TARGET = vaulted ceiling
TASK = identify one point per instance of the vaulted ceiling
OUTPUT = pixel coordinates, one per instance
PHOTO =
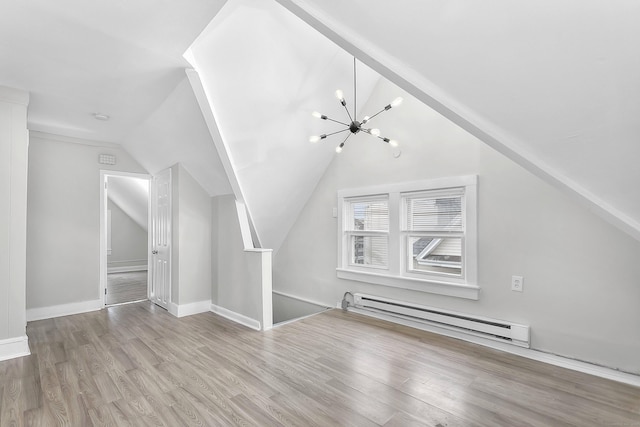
(552, 85)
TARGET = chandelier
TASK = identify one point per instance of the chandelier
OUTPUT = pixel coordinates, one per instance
(354, 126)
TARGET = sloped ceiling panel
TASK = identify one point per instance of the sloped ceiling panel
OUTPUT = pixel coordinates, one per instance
(555, 82)
(132, 196)
(176, 133)
(264, 72)
(77, 58)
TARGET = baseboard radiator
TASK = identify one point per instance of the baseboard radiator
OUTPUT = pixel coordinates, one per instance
(408, 313)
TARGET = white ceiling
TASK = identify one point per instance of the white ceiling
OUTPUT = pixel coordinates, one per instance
(554, 85)
(176, 133)
(265, 71)
(77, 57)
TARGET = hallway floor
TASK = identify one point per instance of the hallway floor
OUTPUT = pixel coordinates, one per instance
(126, 287)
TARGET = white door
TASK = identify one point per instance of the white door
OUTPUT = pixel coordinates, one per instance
(160, 289)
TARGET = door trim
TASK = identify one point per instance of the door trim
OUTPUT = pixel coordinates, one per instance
(104, 175)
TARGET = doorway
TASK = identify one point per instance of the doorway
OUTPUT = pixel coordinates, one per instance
(125, 238)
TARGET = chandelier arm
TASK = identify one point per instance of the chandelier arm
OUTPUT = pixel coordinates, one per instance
(334, 133)
(336, 121)
(344, 104)
(384, 109)
(368, 131)
(391, 142)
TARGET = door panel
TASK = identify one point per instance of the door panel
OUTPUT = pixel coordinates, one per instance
(160, 292)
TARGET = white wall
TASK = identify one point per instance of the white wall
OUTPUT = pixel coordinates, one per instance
(580, 273)
(63, 221)
(191, 268)
(241, 278)
(129, 241)
(14, 142)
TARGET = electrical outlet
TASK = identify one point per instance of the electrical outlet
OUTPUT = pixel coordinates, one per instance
(517, 283)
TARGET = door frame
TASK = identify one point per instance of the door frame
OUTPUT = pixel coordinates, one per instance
(104, 175)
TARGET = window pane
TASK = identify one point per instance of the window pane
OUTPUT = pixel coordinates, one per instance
(435, 255)
(434, 213)
(369, 250)
(372, 215)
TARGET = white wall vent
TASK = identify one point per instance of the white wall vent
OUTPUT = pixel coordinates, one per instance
(107, 159)
(408, 313)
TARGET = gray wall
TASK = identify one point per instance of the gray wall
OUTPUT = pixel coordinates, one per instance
(63, 221)
(285, 308)
(237, 274)
(580, 273)
(14, 142)
(129, 241)
(192, 239)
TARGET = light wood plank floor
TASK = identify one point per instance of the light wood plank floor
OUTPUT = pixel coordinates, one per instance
(138, 365)
(126, 287)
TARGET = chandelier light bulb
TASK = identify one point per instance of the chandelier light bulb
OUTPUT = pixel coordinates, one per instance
(375, 132)
(314, 138)
(338, 149)
(365, 119)
(339, 95)
(393, 143)
(396, 102)
(316, 115)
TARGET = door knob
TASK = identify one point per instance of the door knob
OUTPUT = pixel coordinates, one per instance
(154, 252)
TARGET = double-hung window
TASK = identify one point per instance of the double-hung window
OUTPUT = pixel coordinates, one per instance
(418, 235)
(367, 232)
(433, 230)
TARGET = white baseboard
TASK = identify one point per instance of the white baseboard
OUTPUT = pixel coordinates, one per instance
(126, 269)
(552, 359)
(63, 310)
(11, 348)
(183, 310)
(236, 317)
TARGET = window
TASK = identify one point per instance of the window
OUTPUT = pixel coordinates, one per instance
(433, 231)
(367, 232)
(418, 235)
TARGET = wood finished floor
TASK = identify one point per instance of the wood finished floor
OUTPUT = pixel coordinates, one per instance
(126, 287)
(138, 365)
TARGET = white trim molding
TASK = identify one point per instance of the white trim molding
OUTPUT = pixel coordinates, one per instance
(11, 348)
(236, 317)
(40, 313)
(127, 269)
(450, 289)
(182, 310)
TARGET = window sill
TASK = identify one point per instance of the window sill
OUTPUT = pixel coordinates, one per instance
(430, 286)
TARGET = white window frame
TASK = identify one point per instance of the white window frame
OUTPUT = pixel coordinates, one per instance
(397, 274)
(348, 233)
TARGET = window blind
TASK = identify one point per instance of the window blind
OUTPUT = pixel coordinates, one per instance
(369, 215)
(434, 213)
